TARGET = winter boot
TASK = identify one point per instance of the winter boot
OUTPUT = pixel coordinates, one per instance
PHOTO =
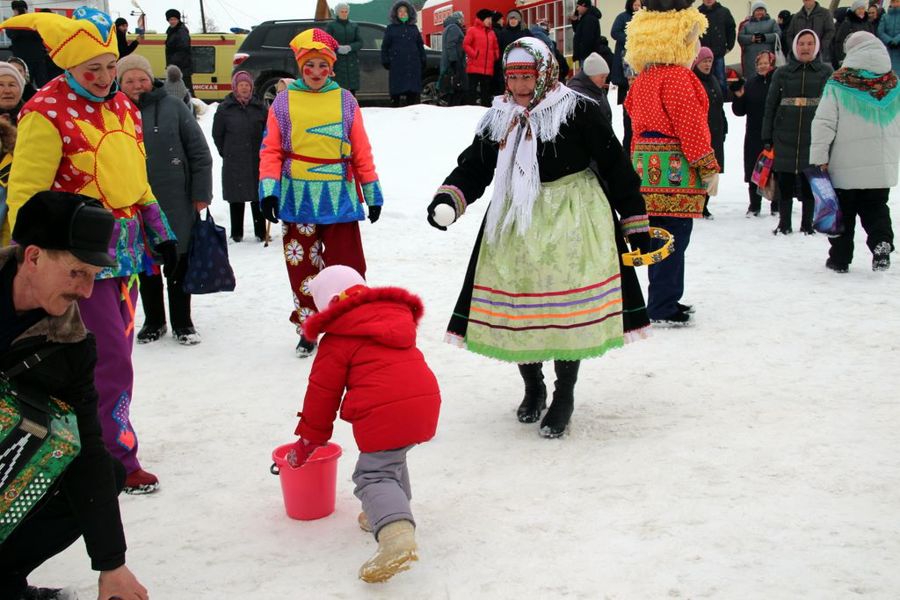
(363, 521)
(151, 333)
(556, 421)
(881, 257)
(186, 336)
(396, 549)
(305, 348)
(535, 400)
(836, 266)
(141, 482)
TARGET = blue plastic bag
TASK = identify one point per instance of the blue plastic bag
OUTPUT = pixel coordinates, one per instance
(208, 269)
(827, 216)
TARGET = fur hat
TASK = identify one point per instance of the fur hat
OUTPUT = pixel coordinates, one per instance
(484, 13)
(594, 65)
(131, 62)
(332, 282)
(70, 42)
(8, 69)
(173, 13)
(314, 43)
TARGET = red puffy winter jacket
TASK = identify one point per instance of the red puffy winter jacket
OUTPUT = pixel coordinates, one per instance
(481, 49)
(369, 349)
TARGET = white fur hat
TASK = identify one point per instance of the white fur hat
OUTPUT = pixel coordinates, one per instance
(330, 282)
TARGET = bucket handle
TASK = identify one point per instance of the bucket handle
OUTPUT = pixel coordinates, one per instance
(274, 470)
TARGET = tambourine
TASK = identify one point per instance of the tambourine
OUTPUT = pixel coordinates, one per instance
(636, 259)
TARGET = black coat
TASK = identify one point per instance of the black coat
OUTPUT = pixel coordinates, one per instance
(125, 48)
(752, 105)
(582, 83)
(720, 35)
(178, 49)
(850, 24)
(715, 118)
(585, 140)
(789, 127)
(29, 46)
(238, 133)
(179, 165)
(508, 35)
(587, 34)
(89, 483)
(403, 53)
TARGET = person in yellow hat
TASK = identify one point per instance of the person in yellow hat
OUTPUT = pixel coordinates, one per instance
(79, 134)
(315, 172)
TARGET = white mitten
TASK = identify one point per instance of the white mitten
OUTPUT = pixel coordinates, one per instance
(712, 184)
(343, 49)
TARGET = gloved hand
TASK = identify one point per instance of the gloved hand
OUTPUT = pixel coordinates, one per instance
(374, 213)
(301, 452)
(767, 144)
(439, 200)
(269, 208)
(641, 242)
(343, 49)
(168, 250)
(712, 184)
(759, 38)
(736, 85)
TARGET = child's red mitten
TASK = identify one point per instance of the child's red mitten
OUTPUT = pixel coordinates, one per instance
(301, 452)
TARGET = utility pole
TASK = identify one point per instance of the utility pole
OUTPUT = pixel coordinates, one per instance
(203, 16)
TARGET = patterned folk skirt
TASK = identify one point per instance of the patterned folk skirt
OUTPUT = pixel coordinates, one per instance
(552, 293)
(670, 186)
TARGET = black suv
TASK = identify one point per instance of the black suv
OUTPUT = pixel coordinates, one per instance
(267, 56)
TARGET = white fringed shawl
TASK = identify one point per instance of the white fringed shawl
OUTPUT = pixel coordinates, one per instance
(517, 180)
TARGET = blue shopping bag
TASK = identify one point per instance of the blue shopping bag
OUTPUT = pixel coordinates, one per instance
(208, 269)
(827, 217)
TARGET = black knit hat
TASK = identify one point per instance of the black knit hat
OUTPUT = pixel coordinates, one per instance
(121, 21)
(173, 13)
(484, 13)
(70, 222)
(19, 5)
(583, 3)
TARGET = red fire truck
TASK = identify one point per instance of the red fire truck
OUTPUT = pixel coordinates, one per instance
(554, 12)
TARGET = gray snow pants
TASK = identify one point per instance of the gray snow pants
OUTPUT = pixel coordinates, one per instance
(382, 485)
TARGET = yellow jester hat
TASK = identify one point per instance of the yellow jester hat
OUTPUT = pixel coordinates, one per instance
(70, 42)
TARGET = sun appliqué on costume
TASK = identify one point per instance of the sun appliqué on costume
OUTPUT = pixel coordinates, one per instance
(304, 287)
(306, 229)
(293, 253)
(315, 255)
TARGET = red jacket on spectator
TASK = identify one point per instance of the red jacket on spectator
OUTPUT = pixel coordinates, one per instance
(482, 49)
(369, 349)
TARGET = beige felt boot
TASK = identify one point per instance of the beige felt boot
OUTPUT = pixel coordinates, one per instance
(396, 549)
(363, 521)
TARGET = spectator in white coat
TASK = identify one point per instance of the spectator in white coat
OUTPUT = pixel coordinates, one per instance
(856, 138)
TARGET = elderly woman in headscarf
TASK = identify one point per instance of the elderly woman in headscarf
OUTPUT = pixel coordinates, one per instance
(79, 134)
(11, 86)
(238, 132)
(545, 281)
(856, 138)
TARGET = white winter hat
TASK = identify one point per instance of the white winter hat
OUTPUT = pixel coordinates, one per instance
(857, 4)
(331, 281)
(8, 69)
(594, 65)
(865, 51)
(758, 4)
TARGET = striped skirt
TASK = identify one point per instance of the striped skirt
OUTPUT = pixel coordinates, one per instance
(554, 293)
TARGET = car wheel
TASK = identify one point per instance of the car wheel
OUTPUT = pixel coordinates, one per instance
(430, 93)
(267, 90)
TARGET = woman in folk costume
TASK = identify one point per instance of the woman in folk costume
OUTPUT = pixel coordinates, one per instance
(671, 148)
(545, 281)
(80, 134)
(315, 172)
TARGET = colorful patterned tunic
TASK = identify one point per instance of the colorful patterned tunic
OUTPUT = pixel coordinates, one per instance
(316, 157)
(67, 143)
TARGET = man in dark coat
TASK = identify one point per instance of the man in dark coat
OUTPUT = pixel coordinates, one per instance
(719, 37)
(29, 46)
(178, 48)
(586, 25)
(818, 19)
(453, 60)
(63, 242)
(346, 32)
(125, 48)
(403, 54)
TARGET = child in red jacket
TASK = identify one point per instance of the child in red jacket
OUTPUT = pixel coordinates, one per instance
(368, 350)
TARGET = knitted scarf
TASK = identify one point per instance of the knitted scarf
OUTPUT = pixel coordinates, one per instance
(517, 180)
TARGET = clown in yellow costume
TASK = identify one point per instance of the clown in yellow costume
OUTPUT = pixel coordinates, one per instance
(79, 134)
(315, 173)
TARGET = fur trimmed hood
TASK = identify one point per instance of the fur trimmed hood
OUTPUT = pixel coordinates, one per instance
(65, 329)
(389, 315)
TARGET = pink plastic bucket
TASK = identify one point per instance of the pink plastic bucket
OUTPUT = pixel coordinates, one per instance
(309, 489)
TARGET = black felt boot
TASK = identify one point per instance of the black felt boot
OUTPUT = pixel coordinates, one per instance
(556, 421)
(535, 400)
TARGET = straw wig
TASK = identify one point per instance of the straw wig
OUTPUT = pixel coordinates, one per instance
(665, 38)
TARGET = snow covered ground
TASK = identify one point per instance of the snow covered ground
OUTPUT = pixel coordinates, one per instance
(754, 455)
